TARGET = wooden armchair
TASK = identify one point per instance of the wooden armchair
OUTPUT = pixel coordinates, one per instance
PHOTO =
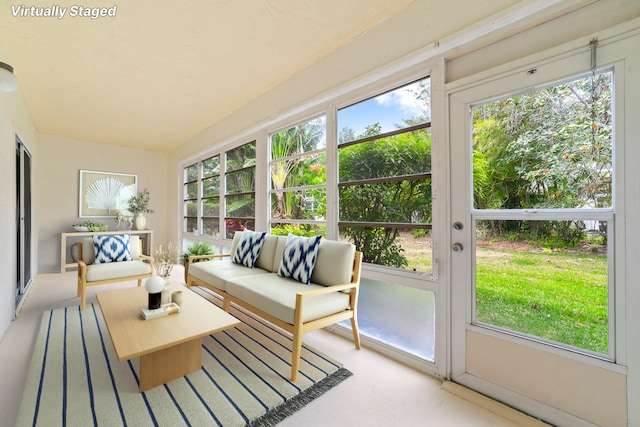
(92, 273)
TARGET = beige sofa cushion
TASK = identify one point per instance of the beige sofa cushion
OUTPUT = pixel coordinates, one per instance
(277, 296)
(265, 259)
(217, 271)
(334, 264)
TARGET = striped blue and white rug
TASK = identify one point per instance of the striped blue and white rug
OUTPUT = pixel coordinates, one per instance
(75, 378)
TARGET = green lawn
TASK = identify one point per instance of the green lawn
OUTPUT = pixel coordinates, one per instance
(559, 297)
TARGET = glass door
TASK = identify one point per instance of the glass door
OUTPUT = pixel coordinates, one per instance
(535, 166)
(23, 220)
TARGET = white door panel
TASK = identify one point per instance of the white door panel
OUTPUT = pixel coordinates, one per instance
(547, 379)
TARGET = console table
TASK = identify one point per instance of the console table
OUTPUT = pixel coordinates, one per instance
(145, 235)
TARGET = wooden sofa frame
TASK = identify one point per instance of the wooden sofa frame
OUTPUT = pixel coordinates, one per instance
(298, 328)
(82, 275)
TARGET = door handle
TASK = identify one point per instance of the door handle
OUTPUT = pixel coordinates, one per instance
(457, 247)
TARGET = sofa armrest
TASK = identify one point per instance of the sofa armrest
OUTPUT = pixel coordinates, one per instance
(328, 290)
(301, 296)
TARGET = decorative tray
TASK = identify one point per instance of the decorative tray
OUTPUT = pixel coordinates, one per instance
(164, 310)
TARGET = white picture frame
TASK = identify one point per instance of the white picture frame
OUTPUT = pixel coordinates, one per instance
(101, 194)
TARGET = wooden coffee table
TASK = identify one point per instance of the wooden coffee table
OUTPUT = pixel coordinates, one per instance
(169, 347)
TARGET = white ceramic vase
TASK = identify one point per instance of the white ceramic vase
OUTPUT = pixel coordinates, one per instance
(140, 221)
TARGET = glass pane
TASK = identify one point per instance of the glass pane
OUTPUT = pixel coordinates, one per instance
(551, 148)
(233, 225)
(307, 204)
(211, 187)
(241, 157)
(404, 154)
(211, 207)
(190, 208)
(392, 247)
(299, 171)
(406, 106)
(191, 173)
(211, 226)
(191, 190)
(190, 224)
(241, 206)
(211, 166)
(242, 181)
(385, 310)
(401, 201)
(309, 136)
(546, 279)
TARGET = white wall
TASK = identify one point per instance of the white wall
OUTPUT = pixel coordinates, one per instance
(14, 119)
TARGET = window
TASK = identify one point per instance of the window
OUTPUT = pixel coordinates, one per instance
(298, 179)
(202, 190)
(203, 187)
(190, 194)
(543, 208)
(385, 209)
(240, 189)
(211, 196)
(384, 161)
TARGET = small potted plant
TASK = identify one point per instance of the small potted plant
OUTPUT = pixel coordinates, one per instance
(139, 205)
(196, 248)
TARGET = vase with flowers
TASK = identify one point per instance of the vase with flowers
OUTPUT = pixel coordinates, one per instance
(165, 258)
(138, 206)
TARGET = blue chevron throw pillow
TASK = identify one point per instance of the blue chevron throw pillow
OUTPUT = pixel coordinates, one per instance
(299, 258)
(112, 248)
(249, 247)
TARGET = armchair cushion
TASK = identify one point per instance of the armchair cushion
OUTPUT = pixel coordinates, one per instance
(112, 248)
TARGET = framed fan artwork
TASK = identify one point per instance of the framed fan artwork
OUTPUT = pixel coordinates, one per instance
(101, 194)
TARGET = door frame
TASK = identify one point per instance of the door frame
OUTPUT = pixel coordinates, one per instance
(553, 65)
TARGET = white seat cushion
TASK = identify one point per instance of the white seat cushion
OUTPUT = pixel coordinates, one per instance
(217, 271)
(115, 270)
(277, 296)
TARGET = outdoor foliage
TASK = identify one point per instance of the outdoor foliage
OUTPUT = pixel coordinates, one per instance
(406, 200)
(240, 188)
(297, 163)
(551, 148)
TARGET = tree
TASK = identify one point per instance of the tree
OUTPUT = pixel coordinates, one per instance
(290, 168)
(551, 148)
(400, 197)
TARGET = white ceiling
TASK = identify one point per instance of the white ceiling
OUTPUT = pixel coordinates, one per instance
(160, 72)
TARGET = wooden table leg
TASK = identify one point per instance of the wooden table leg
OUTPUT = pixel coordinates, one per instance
(170, 363)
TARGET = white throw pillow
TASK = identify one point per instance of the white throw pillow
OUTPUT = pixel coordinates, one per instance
(299, 258)
(249, 247)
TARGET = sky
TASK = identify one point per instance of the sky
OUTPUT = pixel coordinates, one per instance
(388, 109)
